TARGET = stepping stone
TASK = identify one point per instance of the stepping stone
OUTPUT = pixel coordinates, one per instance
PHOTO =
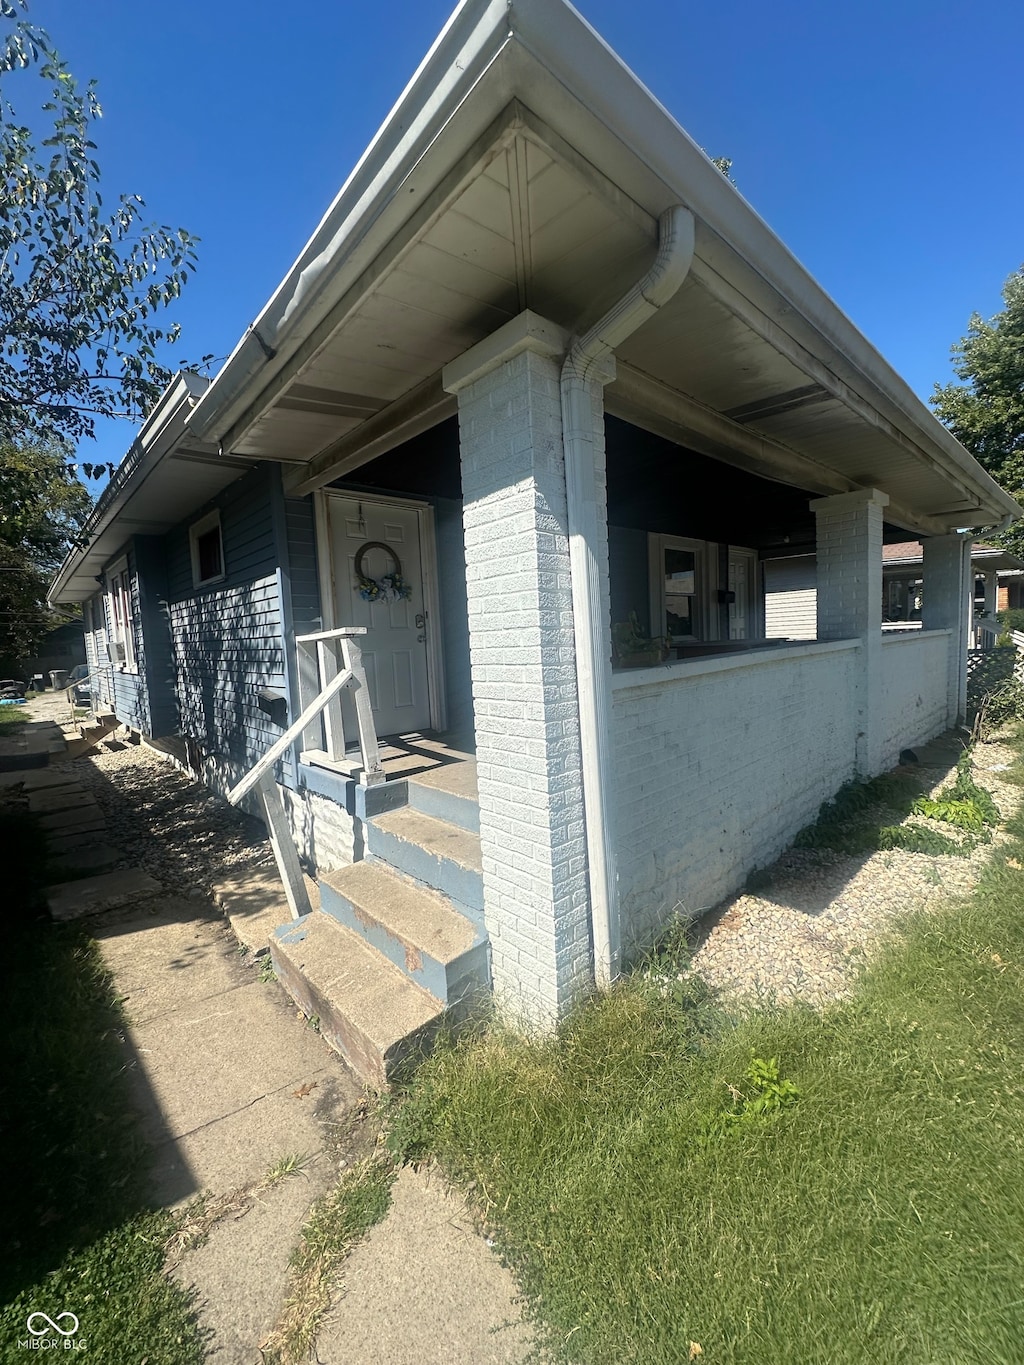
(59, 841)
(58, 798)
(72, 900)
(39, 779)
(84, 813)
(89, 857)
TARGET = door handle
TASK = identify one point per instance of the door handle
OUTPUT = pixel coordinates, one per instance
(421, 620)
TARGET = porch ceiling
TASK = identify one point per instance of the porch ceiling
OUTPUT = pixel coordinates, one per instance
(525, 167)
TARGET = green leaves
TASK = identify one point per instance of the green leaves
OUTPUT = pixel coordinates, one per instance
(986, 413)
(80, 287)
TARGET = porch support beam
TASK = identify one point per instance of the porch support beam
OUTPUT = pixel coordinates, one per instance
(849, 544)
(948, 604)
(656, 407)
(529, 758)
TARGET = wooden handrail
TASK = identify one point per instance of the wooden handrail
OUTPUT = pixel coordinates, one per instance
(255, 773)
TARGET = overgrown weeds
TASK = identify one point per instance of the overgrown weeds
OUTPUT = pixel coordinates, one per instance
(337, 1221)
(867, 817)
(863, 1203)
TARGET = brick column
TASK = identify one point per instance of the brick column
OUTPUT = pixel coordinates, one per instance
(949, 605)
(849, 543)
(523, 665)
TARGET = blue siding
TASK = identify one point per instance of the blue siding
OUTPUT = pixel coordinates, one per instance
(156, 664)
(307, 615)
(227, 639)
(629, 575)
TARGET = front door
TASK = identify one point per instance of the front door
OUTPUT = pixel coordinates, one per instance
(378, 583)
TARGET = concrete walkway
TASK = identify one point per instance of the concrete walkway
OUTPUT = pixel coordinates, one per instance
(231, 1081)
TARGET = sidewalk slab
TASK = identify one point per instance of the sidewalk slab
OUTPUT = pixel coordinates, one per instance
(83, 813)
(254, 902)
(240, 1271)
(71, 900)
(60, 798)
(39, 779)
(214, 1057)
(175, 955)
(425, 1289)
(239, 1148)
(83, 857)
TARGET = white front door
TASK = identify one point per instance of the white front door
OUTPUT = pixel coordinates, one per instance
(382, 540)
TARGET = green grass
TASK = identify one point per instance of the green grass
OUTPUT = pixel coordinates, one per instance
(76, 1233)
(873, 1210)
(336, 1222)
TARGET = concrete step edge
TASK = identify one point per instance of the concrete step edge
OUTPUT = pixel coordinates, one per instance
(368, 1011)
(436, 943)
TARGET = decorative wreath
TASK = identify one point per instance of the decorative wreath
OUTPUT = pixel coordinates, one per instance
(390, 587)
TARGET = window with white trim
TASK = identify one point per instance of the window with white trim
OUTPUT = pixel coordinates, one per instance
(679, 611)
(121, 636)
(207, 548)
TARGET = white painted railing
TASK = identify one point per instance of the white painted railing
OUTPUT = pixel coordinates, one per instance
(340, 665)
(986, 633)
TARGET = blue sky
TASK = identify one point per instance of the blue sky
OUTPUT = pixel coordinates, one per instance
(881, 141)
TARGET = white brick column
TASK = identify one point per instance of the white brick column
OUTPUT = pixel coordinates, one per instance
(949, 605)
(849, 544)
(523, 665)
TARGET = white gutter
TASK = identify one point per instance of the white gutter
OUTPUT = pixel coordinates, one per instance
(587, 362)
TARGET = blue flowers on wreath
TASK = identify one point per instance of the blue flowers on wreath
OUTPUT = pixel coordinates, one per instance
(390, 587)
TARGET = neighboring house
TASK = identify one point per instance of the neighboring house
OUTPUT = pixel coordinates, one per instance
(541, 359)
(790, 586)
(61, 648)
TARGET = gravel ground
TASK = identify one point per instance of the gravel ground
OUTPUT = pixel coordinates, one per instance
(819, 915)
(167, 824)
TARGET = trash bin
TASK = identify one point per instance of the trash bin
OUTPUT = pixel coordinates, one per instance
(38, 682)
(58, 679)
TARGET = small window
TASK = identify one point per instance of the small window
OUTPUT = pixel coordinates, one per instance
(207, 548)
(121, 640)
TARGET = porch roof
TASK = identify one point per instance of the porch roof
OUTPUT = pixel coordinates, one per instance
(165, 475)
(526, 166)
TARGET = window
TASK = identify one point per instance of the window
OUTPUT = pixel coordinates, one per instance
(207, 548)
(121, 640)
(677, 589)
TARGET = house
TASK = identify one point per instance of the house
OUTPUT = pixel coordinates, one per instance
(790, 587)
(60, 649)
(539, 370)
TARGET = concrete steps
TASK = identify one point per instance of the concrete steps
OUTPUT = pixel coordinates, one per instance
(398, 941)
(448, 793)
(367, 1008)
(91, 733)
(416, 928)
(432, 852)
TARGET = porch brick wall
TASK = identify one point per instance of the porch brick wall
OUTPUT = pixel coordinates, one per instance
(524, 684)
(849, 602)
(947, 604)
(915, 702)
(717, 767)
